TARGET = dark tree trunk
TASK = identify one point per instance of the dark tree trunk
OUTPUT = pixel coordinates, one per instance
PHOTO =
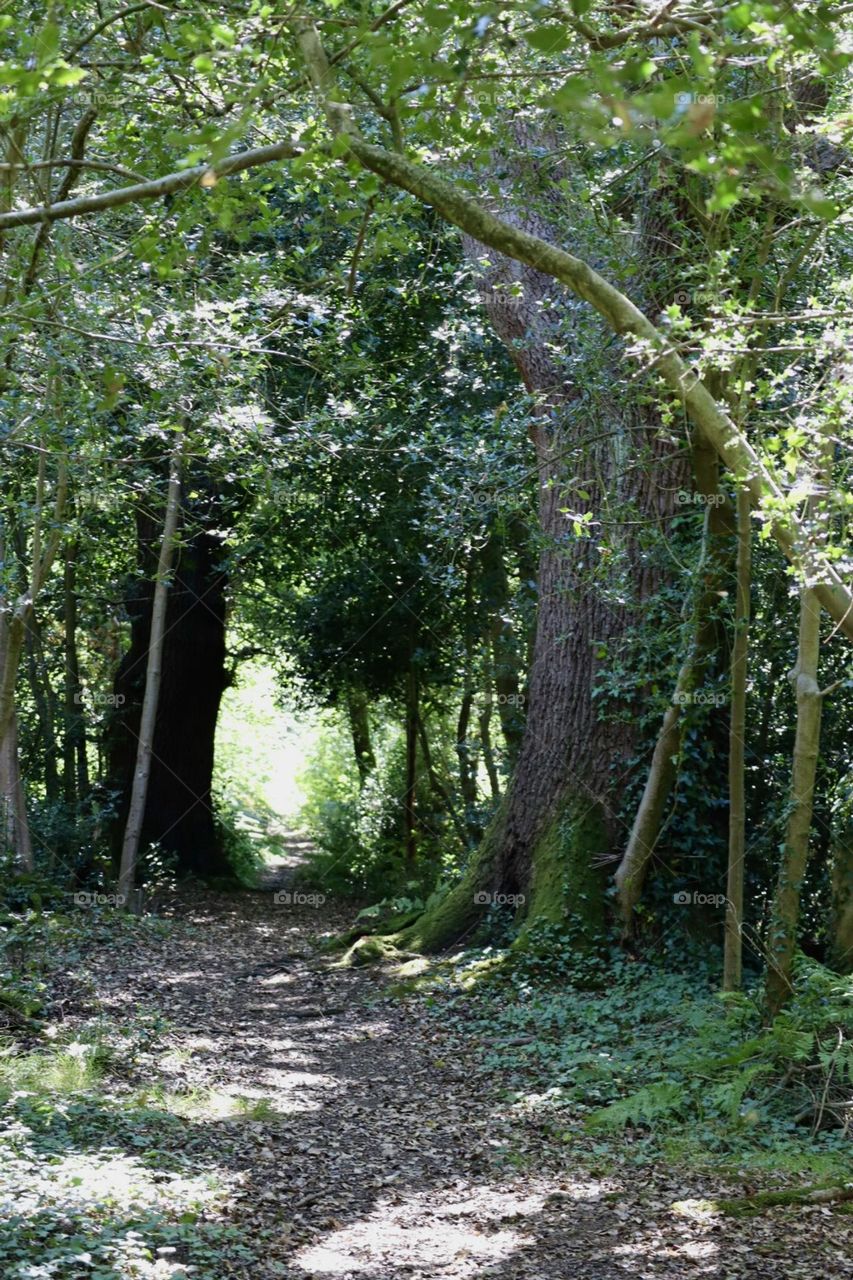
(179, 814)
(359, 723)
(75, 768)
(410, 799)
(465, 752)
(504, 648)
(45, 704)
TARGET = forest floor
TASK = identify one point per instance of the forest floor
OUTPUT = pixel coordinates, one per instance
(250, 1110)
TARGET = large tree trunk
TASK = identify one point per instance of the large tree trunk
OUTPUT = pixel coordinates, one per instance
(559, 821)
(179, 814)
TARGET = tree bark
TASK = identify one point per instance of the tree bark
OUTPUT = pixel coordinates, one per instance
(139, 793)
(75, 767)
(359, 723)
(703, 643)
(505, 662)
(559, 817)
(785, 912)
(733, 947)
(410, 798)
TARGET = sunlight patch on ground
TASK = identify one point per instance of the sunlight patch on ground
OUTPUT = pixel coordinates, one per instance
(106, 1180)
(468, 1232)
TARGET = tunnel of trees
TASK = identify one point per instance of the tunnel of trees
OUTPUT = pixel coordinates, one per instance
(487, 372)
(426, 610)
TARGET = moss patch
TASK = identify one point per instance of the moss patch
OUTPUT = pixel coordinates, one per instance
(568, 887)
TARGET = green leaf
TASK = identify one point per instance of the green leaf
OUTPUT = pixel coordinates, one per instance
(549, 39)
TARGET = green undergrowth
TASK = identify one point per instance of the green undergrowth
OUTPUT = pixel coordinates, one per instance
(38, 942)
(111, 1167)
(621, 1060)
(108, 1171)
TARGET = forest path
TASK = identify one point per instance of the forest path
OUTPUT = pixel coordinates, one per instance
(374, 1139)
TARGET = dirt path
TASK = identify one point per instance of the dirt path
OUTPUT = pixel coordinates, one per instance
(372, 1142)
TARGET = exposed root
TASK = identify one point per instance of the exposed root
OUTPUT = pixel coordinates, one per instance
(765, 1200)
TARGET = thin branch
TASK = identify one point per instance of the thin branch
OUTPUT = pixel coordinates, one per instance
(200, 173)
(100, 165)
(110, 19)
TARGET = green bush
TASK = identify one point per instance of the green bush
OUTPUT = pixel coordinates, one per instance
(359, 831)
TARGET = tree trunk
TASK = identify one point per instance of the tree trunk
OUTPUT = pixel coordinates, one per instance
(437, 786)
(75, 762)
(484, 724)
(179, 815)
(16, 827)
(45, 705)
(14, 622)
(410, 798)
(785, 913)
(359, 723)
(464, 749)
(495, 590)
(840, 950)
(841, 939)
(623, 317)
(467, 773)
(733, 949)
(153, 671)
(704, 642)
(559, 818)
